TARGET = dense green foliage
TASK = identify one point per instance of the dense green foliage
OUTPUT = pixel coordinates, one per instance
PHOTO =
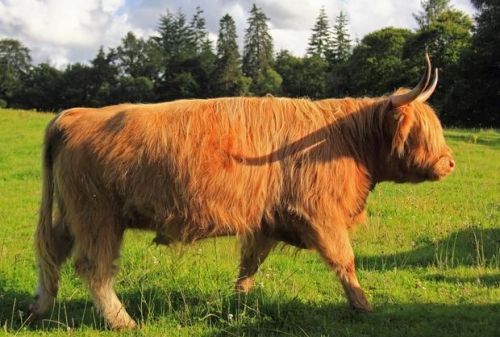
(474, 99)
(302, 76)
(379, 63)
(14, 65)
(179, 62)
(429, 260)
(446, 37)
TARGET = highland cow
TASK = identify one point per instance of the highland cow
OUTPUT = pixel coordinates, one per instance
(264, 169)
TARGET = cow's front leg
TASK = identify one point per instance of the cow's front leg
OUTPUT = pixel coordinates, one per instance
(335, 247)
(254, 249)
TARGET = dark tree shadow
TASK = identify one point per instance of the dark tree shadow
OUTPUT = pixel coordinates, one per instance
(12, 304)
(299, 319)
(469, 247)
(484, 280)
(473, 138)
(63, 315)
(258, 315)
(262, 315)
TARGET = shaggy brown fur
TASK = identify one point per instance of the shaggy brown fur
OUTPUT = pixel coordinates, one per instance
(267, 169)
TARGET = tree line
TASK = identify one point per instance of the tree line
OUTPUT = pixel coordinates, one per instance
(179, 61)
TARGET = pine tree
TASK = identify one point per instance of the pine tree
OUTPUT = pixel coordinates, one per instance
(258, 49)
(103, 77)
(341, 46)
(431, 11)
(199, 32)
(227, 75)
(258, 54)
(187, 56)
(176, 38)
(320, 43)
(137, 57)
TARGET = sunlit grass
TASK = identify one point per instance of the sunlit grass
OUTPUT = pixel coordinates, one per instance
(429, 260)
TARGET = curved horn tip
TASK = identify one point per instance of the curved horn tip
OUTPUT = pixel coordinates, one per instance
(430, 89)
(428, 70)
(418, 90)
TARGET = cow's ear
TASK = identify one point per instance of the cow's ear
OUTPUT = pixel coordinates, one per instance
(404, 121)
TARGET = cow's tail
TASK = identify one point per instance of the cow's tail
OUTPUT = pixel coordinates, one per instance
(46, 241)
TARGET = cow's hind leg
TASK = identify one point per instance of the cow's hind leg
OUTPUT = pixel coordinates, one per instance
(335, 248)
(254, 249)
(53, 245)
(95, 255)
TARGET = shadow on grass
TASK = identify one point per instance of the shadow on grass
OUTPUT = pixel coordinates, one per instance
(471, 247)
(484, 280)
(492, 140)
(299, 319)
(11, 302)
(259, 315)
(64, 315)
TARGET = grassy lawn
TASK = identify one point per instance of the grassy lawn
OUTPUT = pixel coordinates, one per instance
(429, 260)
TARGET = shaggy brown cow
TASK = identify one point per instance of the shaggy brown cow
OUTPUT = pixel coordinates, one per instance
(267, 169)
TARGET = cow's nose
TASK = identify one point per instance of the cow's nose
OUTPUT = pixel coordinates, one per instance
(452, 164)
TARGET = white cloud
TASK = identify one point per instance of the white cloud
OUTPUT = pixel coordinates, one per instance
(59, 31)
(62, 31)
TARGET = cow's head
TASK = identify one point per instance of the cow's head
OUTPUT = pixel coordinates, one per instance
(418, 148)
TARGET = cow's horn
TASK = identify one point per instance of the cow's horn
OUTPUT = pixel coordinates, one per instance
(403, 99)
(430, 89)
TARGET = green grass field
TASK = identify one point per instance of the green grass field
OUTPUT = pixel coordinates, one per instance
(429, 259)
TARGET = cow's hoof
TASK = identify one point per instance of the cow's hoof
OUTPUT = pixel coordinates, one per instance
(29, 316)
(162, 240)
(123, 325)
(358, 301)
(361, 305)
(367, 308)
(244, 285)
(36, 309)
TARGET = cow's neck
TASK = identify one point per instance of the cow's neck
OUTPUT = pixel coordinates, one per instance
(360, 123)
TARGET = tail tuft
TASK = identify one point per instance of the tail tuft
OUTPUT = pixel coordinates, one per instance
(43, 235)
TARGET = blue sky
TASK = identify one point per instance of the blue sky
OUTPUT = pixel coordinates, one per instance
(62, 31)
